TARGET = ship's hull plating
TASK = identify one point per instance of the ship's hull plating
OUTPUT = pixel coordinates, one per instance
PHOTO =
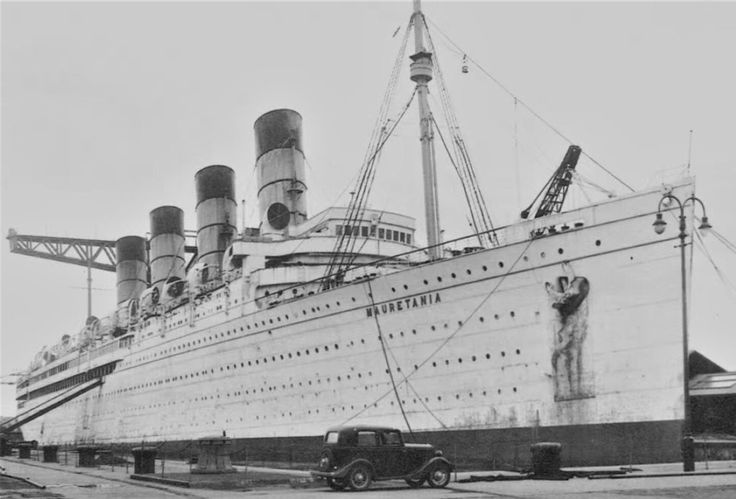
(573, 337)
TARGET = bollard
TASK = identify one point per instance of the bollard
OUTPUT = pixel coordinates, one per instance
(50, 453)
(24, 450)
(86, 456)
(144, 460)
(5, 449)
(546, 458)
(214, 455)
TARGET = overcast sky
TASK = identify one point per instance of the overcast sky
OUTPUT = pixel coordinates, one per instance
(109, 109)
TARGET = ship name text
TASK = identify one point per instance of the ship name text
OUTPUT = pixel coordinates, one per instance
(405, 304)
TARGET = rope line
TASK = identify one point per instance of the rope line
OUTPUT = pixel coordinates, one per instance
(442, 345)
(528, 107)
(385, 357)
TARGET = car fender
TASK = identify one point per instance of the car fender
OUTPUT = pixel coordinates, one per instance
(343, 472)
(426, 466)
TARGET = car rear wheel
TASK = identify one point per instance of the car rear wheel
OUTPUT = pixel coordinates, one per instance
(359, 477)
(336, 483)
(439, 475)
(414, 482)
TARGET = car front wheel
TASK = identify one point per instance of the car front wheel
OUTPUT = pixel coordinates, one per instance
(439, 475)
(359, 477)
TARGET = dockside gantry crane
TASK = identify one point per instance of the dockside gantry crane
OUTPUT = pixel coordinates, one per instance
(97, 254)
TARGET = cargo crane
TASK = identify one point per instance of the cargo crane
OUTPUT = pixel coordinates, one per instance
(556, 187)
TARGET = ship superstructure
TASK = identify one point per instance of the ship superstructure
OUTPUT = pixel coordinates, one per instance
(565, 328)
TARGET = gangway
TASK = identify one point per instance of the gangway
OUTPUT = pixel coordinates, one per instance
(49, 405)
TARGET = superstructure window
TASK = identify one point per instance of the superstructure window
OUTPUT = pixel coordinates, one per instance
(396, 235)
(364, 231)
(381, 233)
(408, 239)
(338, 230)
(402, 237)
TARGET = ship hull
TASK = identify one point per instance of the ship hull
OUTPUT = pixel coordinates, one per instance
(572, 336)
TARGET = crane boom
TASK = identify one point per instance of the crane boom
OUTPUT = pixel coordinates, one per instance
(91, 253)
(558, 186)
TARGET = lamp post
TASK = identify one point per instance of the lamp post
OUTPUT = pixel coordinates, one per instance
(688, 452)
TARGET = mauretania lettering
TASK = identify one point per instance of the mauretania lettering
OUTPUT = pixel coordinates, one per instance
(405, 304)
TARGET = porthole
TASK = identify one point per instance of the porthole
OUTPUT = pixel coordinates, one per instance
(473, 358)
(597, 242)
(513, 314)
(488, 356)
(485, 269)
(439, 279)
(542, 254)
(393, 290)
(500, 264)
(468, 271)
(453, 275)
(495, 316)
(503, 354)
(426, 282)
(482, 319)
(518, 352)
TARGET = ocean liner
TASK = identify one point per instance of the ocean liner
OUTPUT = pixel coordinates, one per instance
(546, 329)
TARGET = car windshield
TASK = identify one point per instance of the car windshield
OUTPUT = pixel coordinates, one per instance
(331, 437)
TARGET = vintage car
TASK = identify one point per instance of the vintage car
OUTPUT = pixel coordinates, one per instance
(354, 456)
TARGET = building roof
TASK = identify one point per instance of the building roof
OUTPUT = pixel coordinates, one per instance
(723, 383)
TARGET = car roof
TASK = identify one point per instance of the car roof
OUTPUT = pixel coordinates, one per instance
(362, 428)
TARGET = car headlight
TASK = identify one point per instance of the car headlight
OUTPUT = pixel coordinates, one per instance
(324, 463)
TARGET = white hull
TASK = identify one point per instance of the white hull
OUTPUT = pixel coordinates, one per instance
(477, 346)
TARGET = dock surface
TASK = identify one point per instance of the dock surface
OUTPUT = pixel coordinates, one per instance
(652, 482)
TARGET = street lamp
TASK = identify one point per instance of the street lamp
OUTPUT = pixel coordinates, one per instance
(688, 452)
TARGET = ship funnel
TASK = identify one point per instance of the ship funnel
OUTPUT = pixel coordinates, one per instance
(131, 268)
(280, 171)
(167, 245)
(216, 215)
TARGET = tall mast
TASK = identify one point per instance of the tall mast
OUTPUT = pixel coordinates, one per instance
(421, 73)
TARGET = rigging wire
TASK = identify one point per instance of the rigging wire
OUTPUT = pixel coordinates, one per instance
(342, 254)
(346, 242)
(473, 222)
(444, 342)
(726, 282)
(529, 108)
(385, 357)
(478, 209)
